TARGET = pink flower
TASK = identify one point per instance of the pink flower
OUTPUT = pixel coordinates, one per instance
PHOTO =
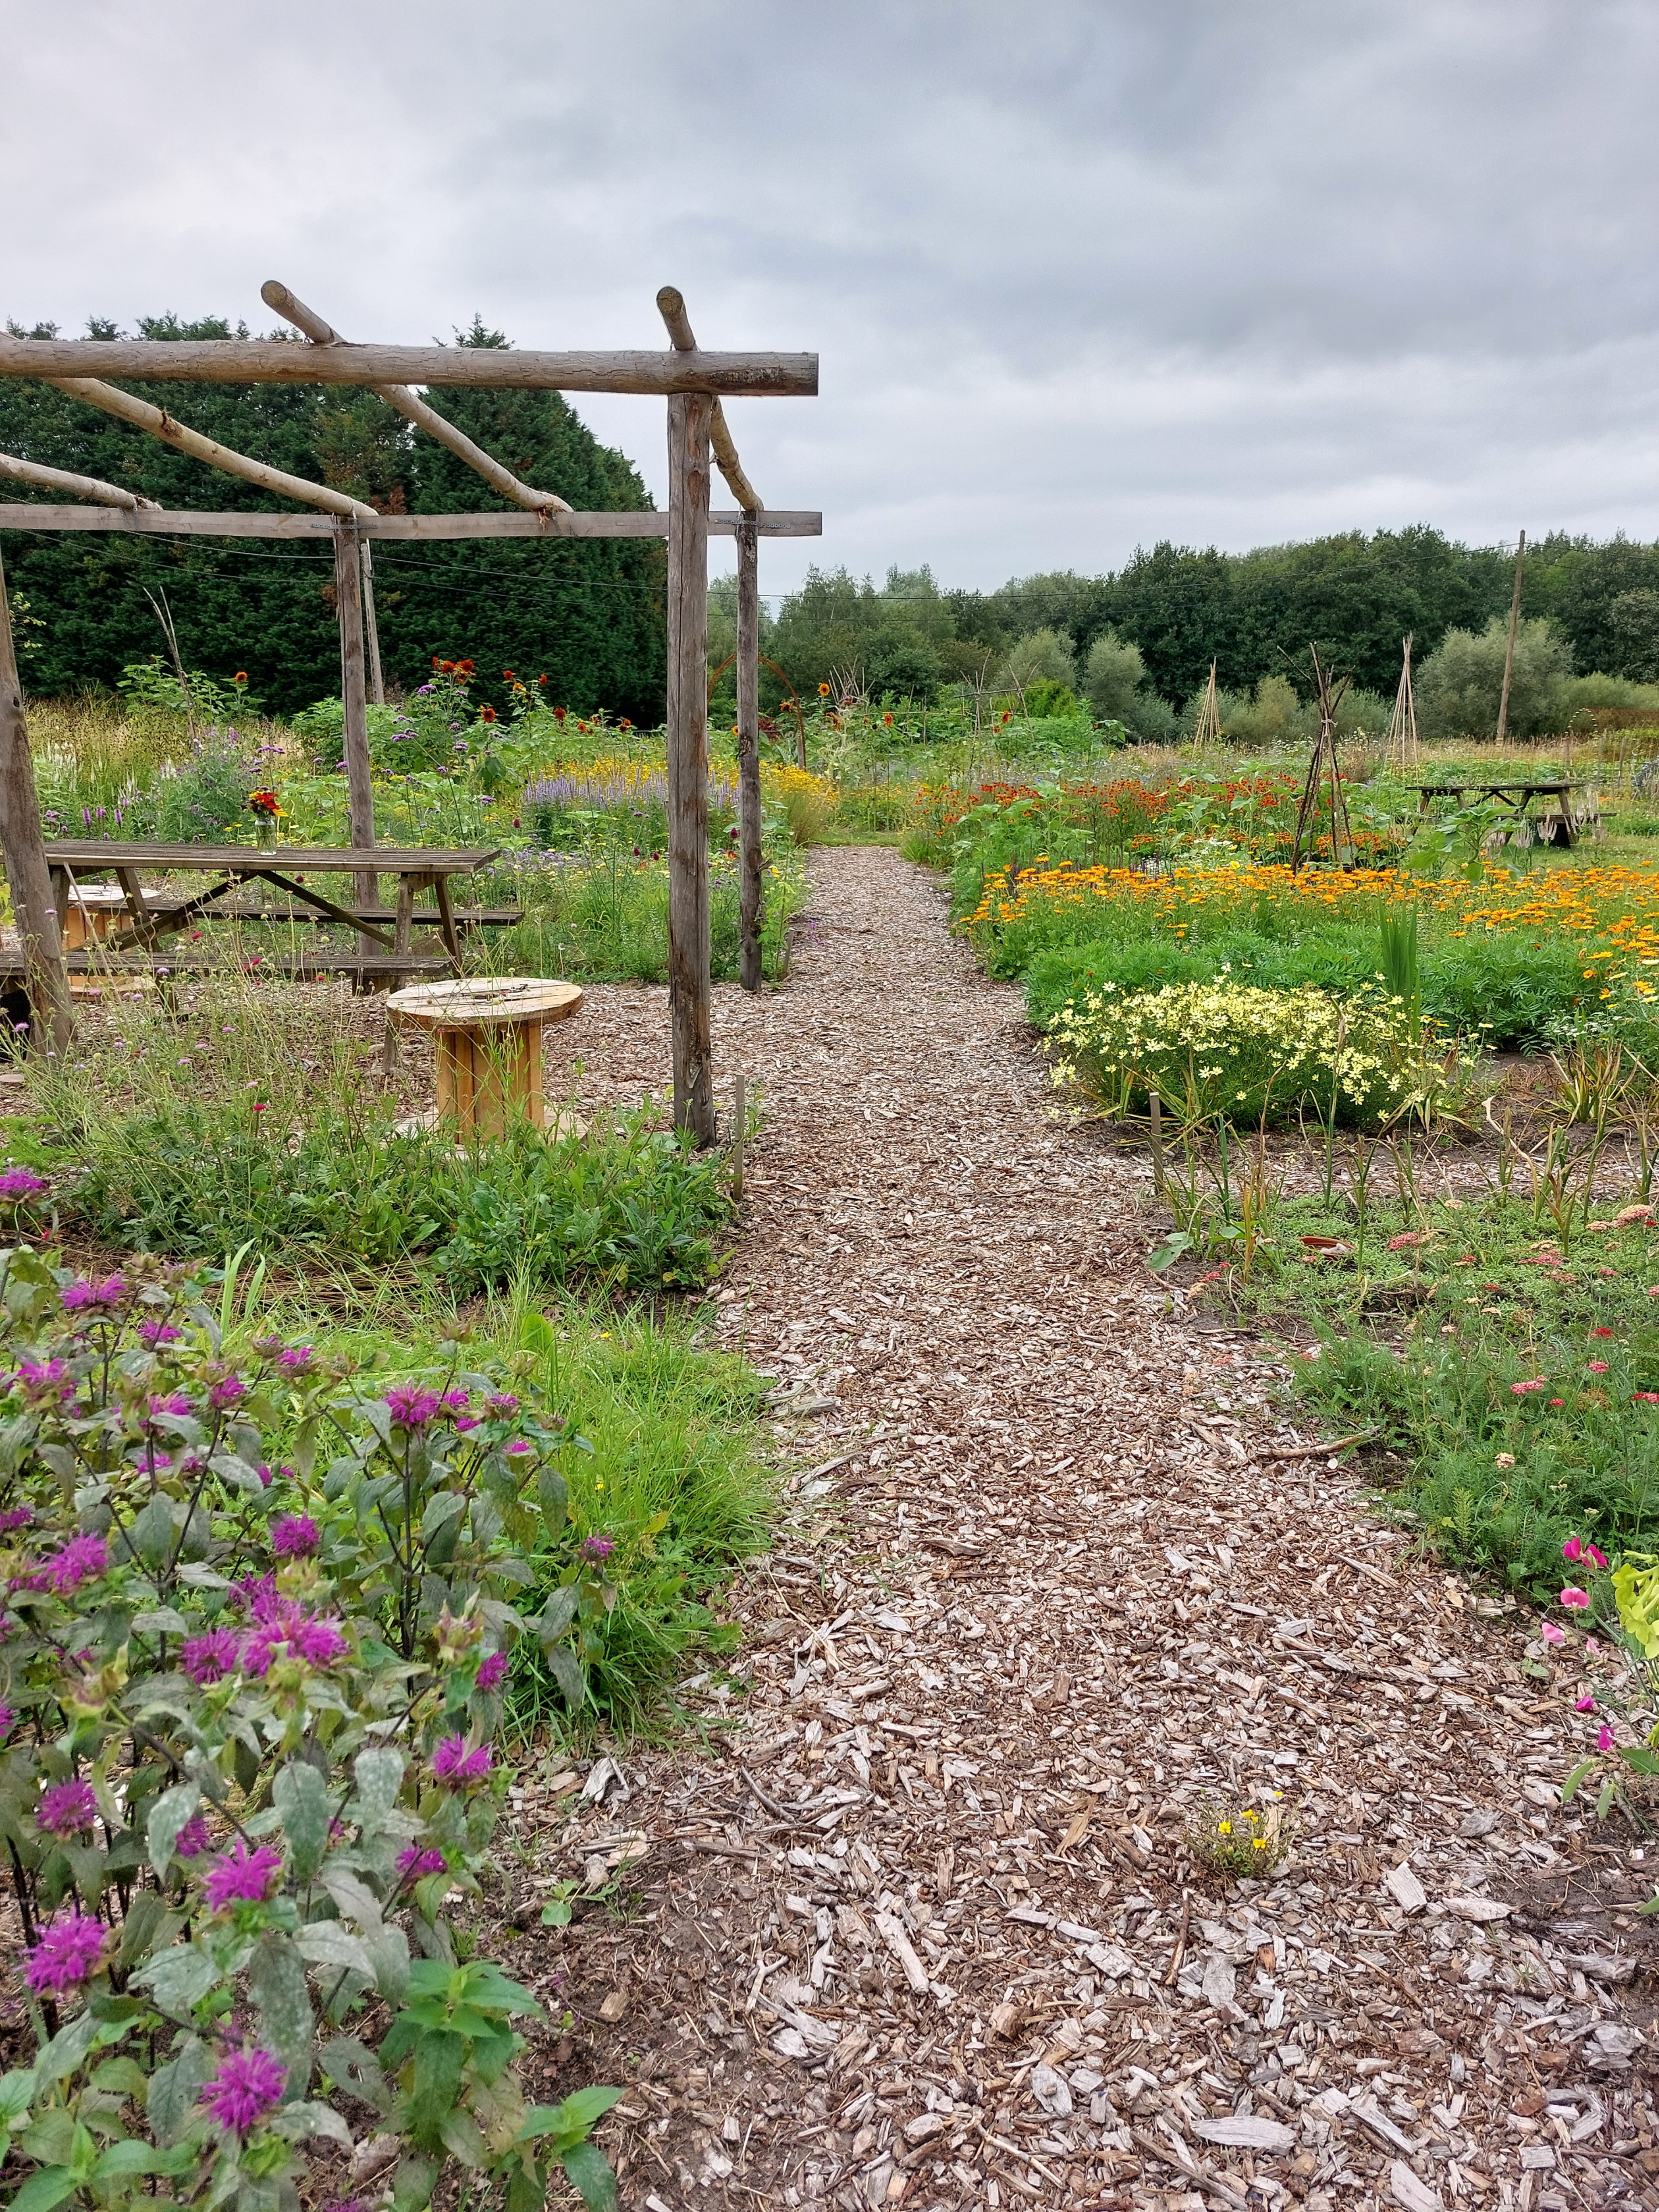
(65, 1809)
(225, 1392)
(1644, 1397)
(192, 1839)
(1596, 1559)
(83, 1559)
(457, 1401)
(295, 1536)
(1604, 1742)
(597, 1547)
(240, 1876)
(453, 1763)
(1573, 1549)
(411, 1407)
(69, 1952)
(1577, 1599)
(502, 1404)
(1585, 1704)
(18, 1183)
(490, 1670)
(1553, 1633)
(413, 1862)
(207, 1659)
(1598, 1367)
(155, 1333)
(43, 1376)
(296, 1357)
(248, 2085)
(1538, 1382)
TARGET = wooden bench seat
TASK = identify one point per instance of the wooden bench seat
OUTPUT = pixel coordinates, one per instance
(294, 967)
(424, 917)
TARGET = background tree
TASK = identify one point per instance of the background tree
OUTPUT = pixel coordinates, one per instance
(1460, 685)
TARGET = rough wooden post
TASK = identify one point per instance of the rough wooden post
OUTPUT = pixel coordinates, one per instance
(749, 791)
(687, 763)
(372, 630)
(359, 788)
(33, 905)
(1508, 650)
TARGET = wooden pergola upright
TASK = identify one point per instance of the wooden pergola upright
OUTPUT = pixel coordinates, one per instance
(692, 381)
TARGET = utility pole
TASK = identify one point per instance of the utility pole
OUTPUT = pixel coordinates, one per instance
(1508, 650)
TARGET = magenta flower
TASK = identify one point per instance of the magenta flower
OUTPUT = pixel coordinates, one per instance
(465, 1423)
(1573, 1549)
(413, 1862)
(411, 1407)
(1596, 1559)
(284, 1623)
(1586, 1704)
(263, 1474)
(41, 1375)
(319, 1643)
(18, 1517)
(1577, 1599)
(155, 1333)
(7, 1716)
(83, 1559)
(176, 1402)
(502, 1404)
(17, 1183)
(1598, 1367)
(69, 1952)
(517, 1448)
(240, 1876)
(64, 1808)
(248, 2085)
(80, 1294)
(192, 1839)
(296, 1357)
(208, 1659)
(457, 1401)
(1604, 1742)
(490, 1670)
(226, 1391)
(597, 1547)
(453, 1763)
(295, 1536)
(1553, 1633)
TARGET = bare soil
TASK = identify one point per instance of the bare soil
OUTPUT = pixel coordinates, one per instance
(907, 1913)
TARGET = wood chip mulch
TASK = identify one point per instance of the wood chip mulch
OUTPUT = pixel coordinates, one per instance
(908, 1917)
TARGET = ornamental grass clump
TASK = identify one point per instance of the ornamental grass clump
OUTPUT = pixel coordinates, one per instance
(1220, 1050)
(248, 1697)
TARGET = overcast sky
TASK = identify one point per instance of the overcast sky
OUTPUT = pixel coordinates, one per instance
(1080, 275)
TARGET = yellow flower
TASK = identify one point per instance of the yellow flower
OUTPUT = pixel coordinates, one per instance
(1260, 1844)
(1226, 1828)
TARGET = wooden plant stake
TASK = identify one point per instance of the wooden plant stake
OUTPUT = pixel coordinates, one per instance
(33, 905)
(1324, 783)
(372, 629)
(1158, 1181)
(1509, 649)
(739, 1130)
(1401, 747)
(1208, 730)
(688, 763)
(359, 788)
(749, 791)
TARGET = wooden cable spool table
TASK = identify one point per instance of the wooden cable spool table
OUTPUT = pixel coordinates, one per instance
(488, 1032)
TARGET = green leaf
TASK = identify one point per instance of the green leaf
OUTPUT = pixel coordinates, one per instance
(167, 1816)
(163, 1621)
(1569, 1787)
(350, 2065)
(300, 1796)
(179, 1979)
(1604, 1802)
(412, 2185)
(44, 2190)
(440, 2057)
(325, 1943)
(133, 2157)
(311, 2119)
(379, 1773)
(584, 2109)
(556, 1615)
(567, 1671)
(66, 2050)
(276, 1983)
(17, 2089)
(464, 2138)
(588, 2171)
(389, 1949)
(175, 2089)
(1640, 1761)
(152, 1531)
(148, 1923)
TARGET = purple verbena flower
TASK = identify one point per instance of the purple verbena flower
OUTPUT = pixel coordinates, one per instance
(597, 1547)
(413, 1862)
(491, 1670)
(17, 1184)
(192, 1839)
(454, 1764)
(67, 1954)
(209, 1658)
(248, 2085)
(295, 1536)
(411, 1407)
(240, 1876)
(64, 1808)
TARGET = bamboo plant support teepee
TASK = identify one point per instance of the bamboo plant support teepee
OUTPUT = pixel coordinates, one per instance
(1322, 795)
(1401, 752)
(1206, 730)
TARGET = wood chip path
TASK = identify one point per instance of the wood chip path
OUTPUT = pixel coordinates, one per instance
(918, 1926)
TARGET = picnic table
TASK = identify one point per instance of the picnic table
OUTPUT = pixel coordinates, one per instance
(151, 916)
(1518, 793)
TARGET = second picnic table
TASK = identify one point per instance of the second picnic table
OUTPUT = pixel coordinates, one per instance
(149, 919)
(1516, 791)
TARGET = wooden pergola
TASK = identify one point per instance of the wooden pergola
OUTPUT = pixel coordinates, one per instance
(692, 381)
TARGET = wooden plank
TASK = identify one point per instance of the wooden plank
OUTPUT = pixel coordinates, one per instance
(144, 416)
(45, 479)
(275, 916)
(166, 963)
(671, 308)
(360, 776)
(102, 854)
(413, 409)
(279, 360)
(28, 872)
(195, 522)
(687, 764)
(372, 627)
(749, 791)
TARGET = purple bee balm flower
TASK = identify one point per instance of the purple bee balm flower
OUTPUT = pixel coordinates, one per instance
(491, 1670)
(246, 2087)
(154, 1332)
(502, 1404)
(295, 1536)
(64, 1808)
(465, 1423)
(176, 1402)
(209, 1658)
(411, 1407)
(37, 1375)
(83, 1559)
(78, 1295)
(295, 1356)
(7, 1716)
(17, 1183)
(453, 1763)
(319, 1643)
(458, 1400)
(413, 1862)
(19, 1517)
(597, 1547)
(192, 1839)
(284, 1623)
(259, 1594)
(226, 1391)
(240, 1876)
(68, 1952)
(519, 1448)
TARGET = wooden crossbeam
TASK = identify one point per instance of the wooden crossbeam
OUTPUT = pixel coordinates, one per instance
(670, 306)
(491, 368)
(386, 529)
(41, 478)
